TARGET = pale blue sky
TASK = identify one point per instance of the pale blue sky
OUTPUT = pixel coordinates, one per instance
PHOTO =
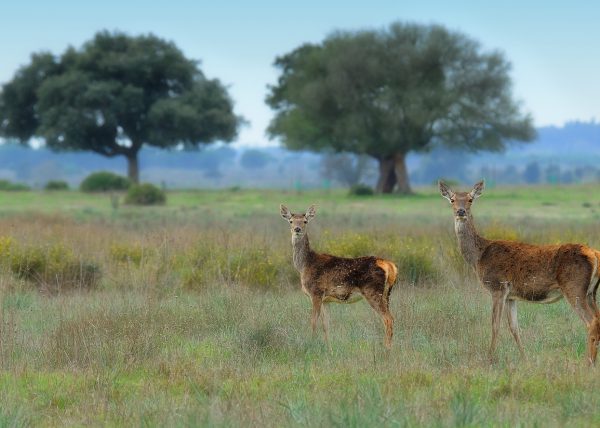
(554, 46)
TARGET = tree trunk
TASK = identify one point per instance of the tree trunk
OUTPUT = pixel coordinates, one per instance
(387, 176)
(401, 174)
(133, 168)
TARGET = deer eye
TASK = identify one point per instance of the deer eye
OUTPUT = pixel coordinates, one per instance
(305, 221)
(470, 200)
(451, 201)
(290, 221)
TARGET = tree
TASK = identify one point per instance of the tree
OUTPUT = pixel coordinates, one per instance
(386, 93)
(115, 95)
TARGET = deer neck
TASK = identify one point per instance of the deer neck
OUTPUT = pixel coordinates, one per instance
(302, 251)
(470, 243)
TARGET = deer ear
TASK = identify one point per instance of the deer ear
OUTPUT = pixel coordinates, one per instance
(285, 212)
(310, 213)
(477, 190)
(445, 191)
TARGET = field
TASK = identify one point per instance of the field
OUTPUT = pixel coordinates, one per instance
(192, 314)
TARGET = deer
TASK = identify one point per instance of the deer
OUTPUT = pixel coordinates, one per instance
(330, 279)
(515, 271)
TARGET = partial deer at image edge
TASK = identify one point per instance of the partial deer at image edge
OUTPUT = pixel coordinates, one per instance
(513, 271)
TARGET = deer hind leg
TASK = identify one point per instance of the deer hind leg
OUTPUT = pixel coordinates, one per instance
(580, 304)
(589, 315)
(379, 302)
(513, 324)
(591, 294)
(498, 300)
(325, 323)
(593, 340)
(594, 327)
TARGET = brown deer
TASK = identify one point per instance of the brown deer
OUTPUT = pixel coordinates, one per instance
(513, 271)
(325, 278)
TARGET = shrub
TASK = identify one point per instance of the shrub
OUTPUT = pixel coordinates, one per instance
(351, 244)
(145, 194)
(13, 187)
(250, 266)
(56, 185)
(253, 267)
(415, 259)
(52, 267)
(499, 231)
(416, 266)
(127, 254)
(104, 181)
(200, 266)
(361, 190)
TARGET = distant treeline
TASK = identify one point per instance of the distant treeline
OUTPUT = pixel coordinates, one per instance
(570, 154)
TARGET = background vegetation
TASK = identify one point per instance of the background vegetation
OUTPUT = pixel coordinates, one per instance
(195, 316)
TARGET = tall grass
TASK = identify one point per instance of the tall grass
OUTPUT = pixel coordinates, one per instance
(199, 321)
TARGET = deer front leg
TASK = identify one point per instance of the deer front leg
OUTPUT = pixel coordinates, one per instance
(325, 322)
(498, 299)
(317, 301)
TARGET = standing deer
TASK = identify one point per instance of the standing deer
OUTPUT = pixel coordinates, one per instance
(513, 271)
(325, 278)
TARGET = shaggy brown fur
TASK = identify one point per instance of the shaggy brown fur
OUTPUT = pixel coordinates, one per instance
(326, 278)
(513, 271)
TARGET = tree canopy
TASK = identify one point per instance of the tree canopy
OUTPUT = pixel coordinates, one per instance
(114, 95)
(386, 93)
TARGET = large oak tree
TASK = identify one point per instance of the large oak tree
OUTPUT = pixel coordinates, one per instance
(114, 95)
(387, 93)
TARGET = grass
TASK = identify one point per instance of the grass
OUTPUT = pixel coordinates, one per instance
(190, 326)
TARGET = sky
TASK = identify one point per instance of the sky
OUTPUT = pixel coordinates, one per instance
(554, 46)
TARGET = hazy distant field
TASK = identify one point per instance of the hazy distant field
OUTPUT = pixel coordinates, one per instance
(198, 318)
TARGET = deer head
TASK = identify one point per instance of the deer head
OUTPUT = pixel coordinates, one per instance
(461, 201)
(297, 222)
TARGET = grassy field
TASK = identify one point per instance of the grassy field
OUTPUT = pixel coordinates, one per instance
(196, 316)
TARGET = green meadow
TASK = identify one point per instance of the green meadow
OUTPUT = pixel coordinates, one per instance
(191, 314)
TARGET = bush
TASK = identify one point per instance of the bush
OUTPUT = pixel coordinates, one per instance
(255, 267)
(502, 232)
(127, 254)
(361, 190)
(104, 181)
(415, 260)
(13, 187)
(51, 267)
(56, 185)
(145, 194)
(350, 244)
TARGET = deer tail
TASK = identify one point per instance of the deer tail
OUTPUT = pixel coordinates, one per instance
(391, 274)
